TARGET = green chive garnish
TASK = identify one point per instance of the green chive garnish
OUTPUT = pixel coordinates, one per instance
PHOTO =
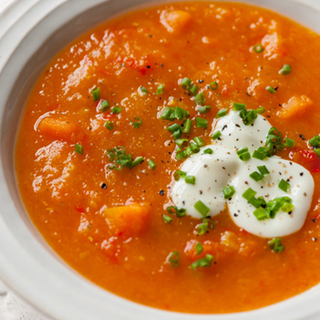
(185, 84)
(221, 113)
(260, 214)
(166, 113)
(182, 142)
(190, 179)
(193, 90)
(258, 48)
(199, 141)
(186, 126)
(284, 185)
(179, 174)
(204, 109)
(216, 135)
(201, 208)
(263, 170)
(201, 123)
(214, 85)
(288, 142)
(315, 141)
(174, 259)
(244, 154)
(202, 262)
(228, 192)
(109, 125)
(152, 165)
(248, 194)
(78, 148)
(166, 218)
(208, 151)
(138, 123)
(116, 110)
(199, 248)
(104, 105)
(96, 94)
(271, 89)
(276, 245)
(256, 176)
(200, 98)
(173, 128)
(160, 89)
(238, 106)
(286, 69)
(144, 91)
(287, 207)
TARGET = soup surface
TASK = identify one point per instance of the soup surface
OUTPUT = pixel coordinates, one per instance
(96, 163)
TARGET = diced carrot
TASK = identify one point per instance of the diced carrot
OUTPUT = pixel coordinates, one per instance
(58, 128)
(128, 220)
(175, 21)
(295, 107)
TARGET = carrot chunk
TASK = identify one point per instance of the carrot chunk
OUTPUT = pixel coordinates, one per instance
(128, 220)
(296, 107)
(177, 20)
(58, 128)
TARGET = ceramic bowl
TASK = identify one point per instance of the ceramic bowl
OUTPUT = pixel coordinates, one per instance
(31, 33)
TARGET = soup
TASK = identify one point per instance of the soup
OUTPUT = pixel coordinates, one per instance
(113, 122)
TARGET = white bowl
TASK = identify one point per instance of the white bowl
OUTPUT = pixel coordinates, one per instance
(31, 33)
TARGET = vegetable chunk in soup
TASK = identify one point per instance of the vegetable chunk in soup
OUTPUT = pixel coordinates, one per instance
(171, 156)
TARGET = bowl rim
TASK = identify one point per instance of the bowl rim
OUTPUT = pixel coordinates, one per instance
(22, 19)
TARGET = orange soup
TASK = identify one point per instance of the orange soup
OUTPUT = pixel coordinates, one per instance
(115, 117)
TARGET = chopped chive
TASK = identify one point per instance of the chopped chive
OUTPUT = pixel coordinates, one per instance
(172, 210)
(193, 90)
(144, 90)
(276, 245)
(177, 134)
(178, 113)
(116, 110)
(174, 259)
(78, 148)
(200, 98)
(259, 154)
(199, 141)
(221, 113)
(181, 213)
(204, 109)
(109, 125)
(260, 214)
(202, 262)
(160, 89)
(201, 208)
(238, 106)
(136, 124)
(166, 113)
(208, 151)
(166, 218)
(201, 123)
(286, 69)
(258, 48)
(216, 135)
(263, 170)
(185, 83)
(180, 155)
(104, 105)
(186, 126)
(199, 248)
(244, 154)
(137, 161)
(287, 207)
(214, 85)
(259, 110)
(317, 152)
(288, 143)
(188, 151)
(96, 94)
(174, 128)
(257, 202)
(315, 141)
(271, 89)
(284, 185)
(248, 194)
(228, 192)
(194, 147)
(190, 179)
(182, 142)
(203, 227)
(179, 174)
(152, 165)
(256, 176)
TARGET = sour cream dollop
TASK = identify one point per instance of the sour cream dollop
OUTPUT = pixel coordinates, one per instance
(214, 172)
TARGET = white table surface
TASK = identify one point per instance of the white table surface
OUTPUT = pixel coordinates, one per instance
(11, 306)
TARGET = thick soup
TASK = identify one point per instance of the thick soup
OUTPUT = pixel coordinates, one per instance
(171, 157)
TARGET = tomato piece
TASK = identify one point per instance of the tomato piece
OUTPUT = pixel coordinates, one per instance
(306, 158)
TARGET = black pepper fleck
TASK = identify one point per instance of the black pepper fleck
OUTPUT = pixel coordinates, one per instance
(161, 192)
(104, 186)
